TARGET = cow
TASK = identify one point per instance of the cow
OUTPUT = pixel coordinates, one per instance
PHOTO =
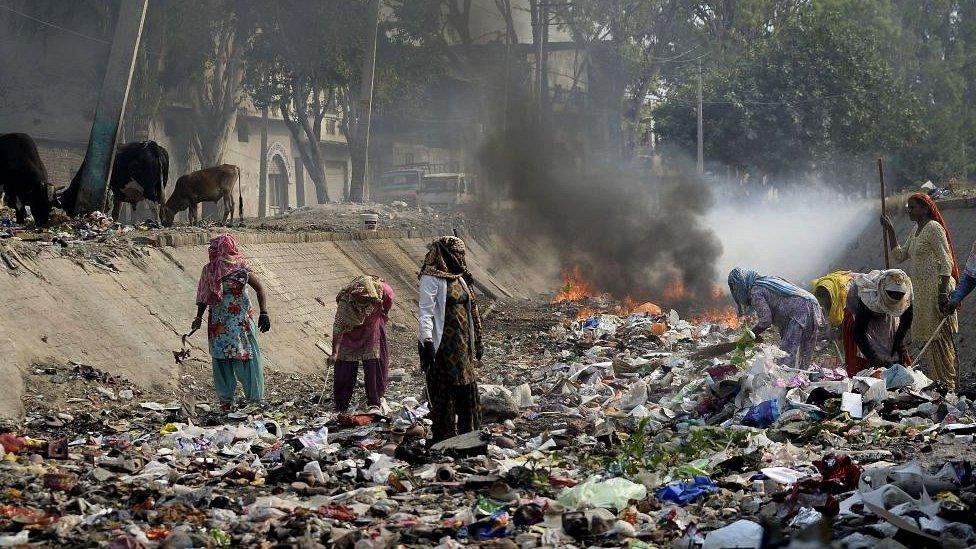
(206, 185)
(140, 172)
(24, 179)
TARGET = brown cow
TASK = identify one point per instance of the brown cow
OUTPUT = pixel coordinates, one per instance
(206, 185)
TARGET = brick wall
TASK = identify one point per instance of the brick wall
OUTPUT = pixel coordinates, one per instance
(61, 160)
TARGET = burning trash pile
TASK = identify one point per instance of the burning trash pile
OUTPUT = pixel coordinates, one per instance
(631, 428)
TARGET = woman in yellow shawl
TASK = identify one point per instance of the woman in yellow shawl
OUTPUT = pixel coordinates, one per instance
(831, 292)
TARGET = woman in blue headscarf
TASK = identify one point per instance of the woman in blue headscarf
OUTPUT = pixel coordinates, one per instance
(792, 309)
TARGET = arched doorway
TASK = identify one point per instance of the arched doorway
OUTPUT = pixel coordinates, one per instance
(277, 186)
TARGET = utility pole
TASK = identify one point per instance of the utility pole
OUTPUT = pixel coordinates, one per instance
(701, 141)
(263, 174)
(544, 61)
(111, 106)
(361, 193)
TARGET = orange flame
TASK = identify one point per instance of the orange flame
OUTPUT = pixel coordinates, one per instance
(717, 291)
(586, 312)
(675, 291)
(574, 288)
(723, 316)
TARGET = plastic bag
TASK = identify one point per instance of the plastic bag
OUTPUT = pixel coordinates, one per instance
(614, 492)
(686, 492)
(840, 473)
(897, 376)
(743, 534)
(762, 415)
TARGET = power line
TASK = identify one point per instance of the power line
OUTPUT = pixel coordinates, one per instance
(55, 26)
(784, 103)
(65, 29)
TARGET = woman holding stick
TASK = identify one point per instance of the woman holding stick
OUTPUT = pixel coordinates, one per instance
(230, 327)
(359, 336)
(934, 273)
(778, 302)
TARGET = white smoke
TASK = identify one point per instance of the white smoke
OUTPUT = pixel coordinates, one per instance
(797, 234)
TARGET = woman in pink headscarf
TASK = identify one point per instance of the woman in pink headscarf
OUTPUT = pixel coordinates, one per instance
(230, 326)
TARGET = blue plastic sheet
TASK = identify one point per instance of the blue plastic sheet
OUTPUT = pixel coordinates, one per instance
(495, 526)
(686, 492)
(897, 376)
(762, 415)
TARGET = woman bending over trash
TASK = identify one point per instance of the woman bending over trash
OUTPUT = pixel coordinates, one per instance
(230, 326)
(449, 342)
(831, 292)
(775, 301)
(934, 274)
(877, 318)
(359, 335)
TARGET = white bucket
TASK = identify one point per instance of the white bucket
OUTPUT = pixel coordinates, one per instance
(370, 220)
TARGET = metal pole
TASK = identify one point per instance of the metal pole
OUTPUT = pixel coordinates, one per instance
(97, 168)
(544, 62)
(368, 80)
(701, 141)
(263, 166)
(884, 232)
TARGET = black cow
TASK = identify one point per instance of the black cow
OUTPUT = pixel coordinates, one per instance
(140, 172)
(23, 178)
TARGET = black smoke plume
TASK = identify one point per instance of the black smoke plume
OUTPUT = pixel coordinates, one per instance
(631, 233)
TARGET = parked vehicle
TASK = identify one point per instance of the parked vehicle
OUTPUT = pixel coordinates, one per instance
(398, 185)
(443, 189)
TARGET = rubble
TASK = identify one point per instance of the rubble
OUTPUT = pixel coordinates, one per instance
(603, 430)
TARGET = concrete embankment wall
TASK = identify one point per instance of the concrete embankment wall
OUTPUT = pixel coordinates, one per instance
(866, 253)
(128, 322)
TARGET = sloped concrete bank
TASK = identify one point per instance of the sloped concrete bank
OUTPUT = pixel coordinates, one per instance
(127, 323)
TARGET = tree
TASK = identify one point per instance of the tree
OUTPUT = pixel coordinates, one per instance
(204, 65)
(634, 43)
(296, 65)
(810, 94)
(306, 63)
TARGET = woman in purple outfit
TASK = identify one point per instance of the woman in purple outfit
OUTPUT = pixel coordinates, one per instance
(359, 336)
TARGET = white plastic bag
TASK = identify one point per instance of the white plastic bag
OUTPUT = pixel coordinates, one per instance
(614, 492)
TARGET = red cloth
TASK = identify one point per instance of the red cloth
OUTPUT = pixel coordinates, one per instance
(937, 216)
(225, 258)
(855, 362)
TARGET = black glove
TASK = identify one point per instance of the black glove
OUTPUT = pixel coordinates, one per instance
(426, 352)
(264, 322)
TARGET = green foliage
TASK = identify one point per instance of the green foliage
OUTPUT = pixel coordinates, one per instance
(829, 82)
(638, 453)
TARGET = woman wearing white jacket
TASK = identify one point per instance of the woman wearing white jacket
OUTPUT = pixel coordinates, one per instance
(449, 342)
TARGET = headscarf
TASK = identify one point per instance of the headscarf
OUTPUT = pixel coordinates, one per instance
(356, 301)
(873, 288)
(445, 259)
(225, 259)
(741, 283)
(835, 284)
(936, 215)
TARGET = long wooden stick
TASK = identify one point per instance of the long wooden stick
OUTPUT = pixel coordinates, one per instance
(929, 342)
(884, 232)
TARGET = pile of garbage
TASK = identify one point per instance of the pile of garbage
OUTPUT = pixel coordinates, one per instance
(607, 430)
